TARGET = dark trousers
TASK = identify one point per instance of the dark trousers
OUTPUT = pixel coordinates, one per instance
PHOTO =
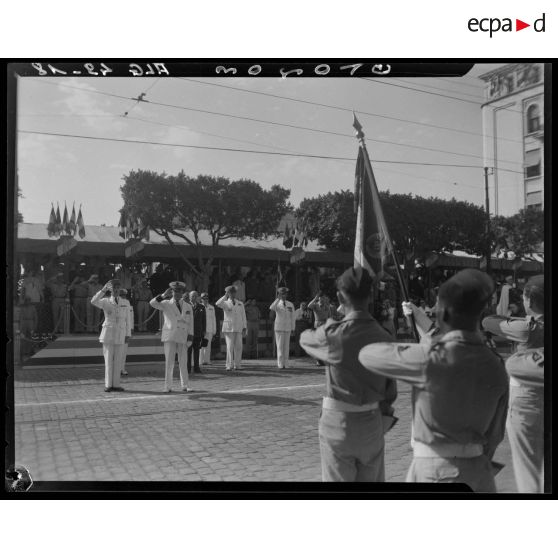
(195, 349)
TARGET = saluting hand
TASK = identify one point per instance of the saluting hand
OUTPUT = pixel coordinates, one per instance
(167, 292)
(108, 286)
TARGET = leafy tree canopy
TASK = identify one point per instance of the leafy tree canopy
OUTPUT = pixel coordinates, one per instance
(416, 225)
(184, 206)
(521, 233)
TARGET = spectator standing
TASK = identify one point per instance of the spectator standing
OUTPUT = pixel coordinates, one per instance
(304, 318)
(200, 332)
(93, 311)
(210, 329)
(142, 294)
(58, 290)
(252, 327)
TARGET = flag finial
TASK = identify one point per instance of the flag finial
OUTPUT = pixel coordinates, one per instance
(358, 127)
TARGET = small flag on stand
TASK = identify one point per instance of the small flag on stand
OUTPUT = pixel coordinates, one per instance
(73, 220)
(80, 224)
(51, 227)
(66, 221)
(58, 224)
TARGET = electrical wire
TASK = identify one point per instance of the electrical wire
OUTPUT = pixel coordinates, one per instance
(346, 109)
(385, 82)
(144, 142)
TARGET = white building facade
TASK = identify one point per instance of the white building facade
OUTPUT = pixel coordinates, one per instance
(513, 130)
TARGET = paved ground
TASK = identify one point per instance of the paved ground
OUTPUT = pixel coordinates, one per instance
(259, 424)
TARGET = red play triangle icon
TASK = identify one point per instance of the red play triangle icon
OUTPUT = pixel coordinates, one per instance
(519, 25)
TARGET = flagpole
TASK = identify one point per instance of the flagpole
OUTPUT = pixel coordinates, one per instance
(360, 136)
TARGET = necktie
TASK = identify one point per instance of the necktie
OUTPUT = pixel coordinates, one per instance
(116, 300)
(178, 306)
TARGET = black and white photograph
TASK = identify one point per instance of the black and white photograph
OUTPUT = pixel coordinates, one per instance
(278, 274)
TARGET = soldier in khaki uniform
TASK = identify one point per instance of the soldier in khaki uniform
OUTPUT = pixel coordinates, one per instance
(93, 312)
(526, 416)
(80, 289)
(117, 329)
(351, 427)
(460, 387)
(58, 290)
(284, 325)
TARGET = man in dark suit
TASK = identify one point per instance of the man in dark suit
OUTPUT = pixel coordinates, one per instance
(200, 331)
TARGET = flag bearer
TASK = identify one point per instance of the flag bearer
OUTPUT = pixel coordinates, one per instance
(351, 427)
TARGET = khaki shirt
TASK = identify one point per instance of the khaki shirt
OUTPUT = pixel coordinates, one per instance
(337, 343)
(460, 387)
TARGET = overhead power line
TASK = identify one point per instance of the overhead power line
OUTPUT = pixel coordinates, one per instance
(410, 82)
(155, 103)
(386, 82)
(345, 109)
(144, 142)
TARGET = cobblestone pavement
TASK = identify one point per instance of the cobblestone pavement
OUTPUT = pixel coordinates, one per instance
(259, 424)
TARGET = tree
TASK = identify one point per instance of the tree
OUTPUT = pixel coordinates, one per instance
(521, 233)
(182, 206)
(416, 225)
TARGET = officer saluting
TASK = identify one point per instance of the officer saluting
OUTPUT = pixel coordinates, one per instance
(117, 329)
(234, 326)
(351, 425)
(177, 332)
(284, 325)
(460, 388)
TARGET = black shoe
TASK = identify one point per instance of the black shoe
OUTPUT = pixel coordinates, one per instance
(108, 389)
(117, 389)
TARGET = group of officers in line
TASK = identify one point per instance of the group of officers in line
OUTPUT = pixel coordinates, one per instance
(461, 387)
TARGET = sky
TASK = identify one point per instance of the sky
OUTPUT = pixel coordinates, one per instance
(408, 126)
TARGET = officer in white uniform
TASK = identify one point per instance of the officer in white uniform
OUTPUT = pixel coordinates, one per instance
(284, 325)
(234, 326)
(177, 333)
(210, 329)
(117, 329)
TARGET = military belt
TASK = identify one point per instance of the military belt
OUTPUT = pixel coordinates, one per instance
(447, 450)
(336, 405)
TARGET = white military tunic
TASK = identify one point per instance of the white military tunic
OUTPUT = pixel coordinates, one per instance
(234, 322)
(177, 327)
(284, 325)
(116, 327)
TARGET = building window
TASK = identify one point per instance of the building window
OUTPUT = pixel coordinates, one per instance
(534, 199)
(533, 163)
(533, 119)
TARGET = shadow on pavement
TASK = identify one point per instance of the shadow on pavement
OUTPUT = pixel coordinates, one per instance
(259, 399)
